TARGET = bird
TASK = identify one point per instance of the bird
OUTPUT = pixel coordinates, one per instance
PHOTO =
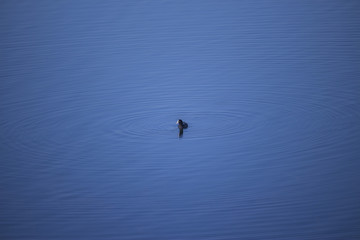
(181, 124)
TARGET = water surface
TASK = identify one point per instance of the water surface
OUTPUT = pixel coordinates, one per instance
(90, 93)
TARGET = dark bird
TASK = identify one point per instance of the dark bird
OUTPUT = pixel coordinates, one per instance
(181, 125)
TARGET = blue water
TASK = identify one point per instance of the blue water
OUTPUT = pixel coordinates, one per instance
(90, 92)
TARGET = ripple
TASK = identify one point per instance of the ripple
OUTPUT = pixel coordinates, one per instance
(274, 114)
(202, 125)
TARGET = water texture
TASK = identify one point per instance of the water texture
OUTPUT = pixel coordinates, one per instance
(90, 92)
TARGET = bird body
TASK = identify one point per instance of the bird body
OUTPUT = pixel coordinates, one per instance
(182, 124)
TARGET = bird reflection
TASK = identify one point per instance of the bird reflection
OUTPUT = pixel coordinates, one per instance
(181, 132)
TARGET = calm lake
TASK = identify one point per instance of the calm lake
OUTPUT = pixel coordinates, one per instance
(90, 92)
